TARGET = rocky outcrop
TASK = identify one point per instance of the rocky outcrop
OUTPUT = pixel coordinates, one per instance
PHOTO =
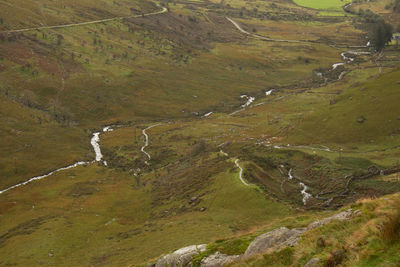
(217, 260)
(342, 216)
(181, 257)
(275, 239)
(314, 262)
(284, 237)
(269, 242)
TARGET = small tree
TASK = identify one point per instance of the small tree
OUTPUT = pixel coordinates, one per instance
(381, 34)
(60, 38)
(396, 6)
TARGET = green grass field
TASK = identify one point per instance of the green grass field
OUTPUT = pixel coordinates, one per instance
(326, 7)
(325, 4)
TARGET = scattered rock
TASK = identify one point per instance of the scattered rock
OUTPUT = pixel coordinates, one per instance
(357, 212)
(217, 260)
(193, 199)
(278, 238)
(202, 209)
(180, 257)
(342, 216)
(268, 242)
(332, 102)
(314, 262)
(361, 119)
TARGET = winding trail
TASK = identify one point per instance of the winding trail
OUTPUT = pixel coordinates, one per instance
(327, 149)
(334, 66)
(146, 142)
(263, 37)
(237, 165)
(240, 173)
(94, 141)
(163, 10)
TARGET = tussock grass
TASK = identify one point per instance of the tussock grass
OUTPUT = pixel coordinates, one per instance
(390, 230)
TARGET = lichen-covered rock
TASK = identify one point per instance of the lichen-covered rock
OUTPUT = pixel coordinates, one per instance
(217, 260)
(180, 257)
(314, 262)
(342, 216)
(278, 238)
(274, 240)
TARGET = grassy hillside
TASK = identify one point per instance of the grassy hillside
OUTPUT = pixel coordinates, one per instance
(26, 14)
(96, 216)
(171, 65)
(370, 239)
(191, 71)
(32, 143)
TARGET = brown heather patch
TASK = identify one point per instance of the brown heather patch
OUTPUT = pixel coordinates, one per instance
(390, 230)
(50, 66)
(16, 52)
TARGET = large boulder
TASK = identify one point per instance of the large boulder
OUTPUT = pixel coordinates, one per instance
(275, 239)
(180, 257)
(217, 260)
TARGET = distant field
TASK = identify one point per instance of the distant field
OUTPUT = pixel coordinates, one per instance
(327, 7)
(322, 4)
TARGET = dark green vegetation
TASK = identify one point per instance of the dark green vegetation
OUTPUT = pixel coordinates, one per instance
(332, 129)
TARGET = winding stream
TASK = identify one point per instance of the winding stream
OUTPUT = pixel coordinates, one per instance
(94, 141)
(334, 66)
(306, 195)
(349, 59)
(250, 100)
(304, 189)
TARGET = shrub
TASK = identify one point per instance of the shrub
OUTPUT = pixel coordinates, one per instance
(396, 6)
(336, 258)
(390, 230)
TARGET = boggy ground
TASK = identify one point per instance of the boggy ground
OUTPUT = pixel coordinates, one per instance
(173, 68)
